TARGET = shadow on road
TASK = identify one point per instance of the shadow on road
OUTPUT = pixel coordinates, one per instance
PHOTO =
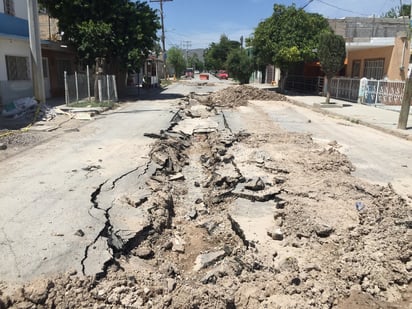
(135, 94)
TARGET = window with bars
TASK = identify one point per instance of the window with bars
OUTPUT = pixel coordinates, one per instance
(374, 68)
(9, 7)
(356, 68)
(17, 68)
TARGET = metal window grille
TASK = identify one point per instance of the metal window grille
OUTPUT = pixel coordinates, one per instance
(356, 68)
(374, 68)
(9, 7)
(17, 68)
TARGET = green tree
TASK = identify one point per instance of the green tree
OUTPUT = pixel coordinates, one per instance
(195, 62)
(217, 53)
(395, 12)
(332, 53)
(176, 60)
(121, 31)
(289, 36)
(240, 65)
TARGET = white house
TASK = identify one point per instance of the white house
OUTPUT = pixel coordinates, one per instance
(15, 73)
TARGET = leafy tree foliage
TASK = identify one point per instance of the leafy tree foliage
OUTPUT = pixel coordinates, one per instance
(176, 60)
(195, 62)
(240, 65)
(122, 31)
(217, 53)
(332, 53)
(395, 12)
(289, 36)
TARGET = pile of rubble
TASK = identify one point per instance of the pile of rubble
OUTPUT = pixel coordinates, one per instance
(240, 95)
(257, 219)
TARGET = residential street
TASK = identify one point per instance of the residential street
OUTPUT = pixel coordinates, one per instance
(203, 199)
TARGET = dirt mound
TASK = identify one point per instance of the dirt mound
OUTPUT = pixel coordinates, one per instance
(240, 95)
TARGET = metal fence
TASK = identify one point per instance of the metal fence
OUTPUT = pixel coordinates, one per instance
(383, 92)
(305, 84)
(366, 91)
(345, 89)
(80, 87)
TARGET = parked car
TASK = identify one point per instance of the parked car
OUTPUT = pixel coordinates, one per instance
(222, 74)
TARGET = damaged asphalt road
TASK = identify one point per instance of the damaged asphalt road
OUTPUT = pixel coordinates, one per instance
(48, 217)
(227, 210)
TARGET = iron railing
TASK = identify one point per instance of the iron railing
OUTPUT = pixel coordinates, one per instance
(366, 91)
(81, 87)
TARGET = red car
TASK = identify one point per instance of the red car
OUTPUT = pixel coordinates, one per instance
(222, 74)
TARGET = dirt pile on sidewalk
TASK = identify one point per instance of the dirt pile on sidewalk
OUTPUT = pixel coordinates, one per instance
(256, 219)
(239, 95)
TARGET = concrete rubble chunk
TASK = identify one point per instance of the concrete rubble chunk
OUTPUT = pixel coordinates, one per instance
(255, 184)
(276, 234)
(207, 259)
(178, 244)
(323, 230)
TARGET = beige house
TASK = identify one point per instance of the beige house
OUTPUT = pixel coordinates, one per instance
(377, 48)
(378, 58)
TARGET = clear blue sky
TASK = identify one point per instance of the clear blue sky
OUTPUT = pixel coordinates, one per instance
(202, 22)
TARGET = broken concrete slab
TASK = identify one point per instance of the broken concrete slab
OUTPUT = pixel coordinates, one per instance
(207, 259)
(196, 125)
(263, 195)
(97, 255)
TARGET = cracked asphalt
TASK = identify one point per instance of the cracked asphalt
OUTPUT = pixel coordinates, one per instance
(56, 209)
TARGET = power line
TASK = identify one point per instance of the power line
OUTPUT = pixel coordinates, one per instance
(339, 8)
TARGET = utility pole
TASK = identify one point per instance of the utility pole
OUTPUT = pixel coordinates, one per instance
(186, 46)
(407, 95)
(35, 51)
(163, 38)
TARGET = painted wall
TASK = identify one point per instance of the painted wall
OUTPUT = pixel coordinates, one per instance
(11, 90)
(400, 52)
(391, 54)
(371, 53)
(11, 47)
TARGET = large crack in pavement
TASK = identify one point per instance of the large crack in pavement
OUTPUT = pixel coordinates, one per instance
(115, 244)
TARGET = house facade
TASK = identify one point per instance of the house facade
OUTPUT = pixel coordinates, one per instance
(377, 48)
(15, 61)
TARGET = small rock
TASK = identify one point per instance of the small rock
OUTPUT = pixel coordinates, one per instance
(323, 230)
(178, 245)
(210, 277)
(207, 259)
(177, 176)
(192, 214)
(277, 234)
(3, 146)
(255, 185)
(144, 253)
(79, 233)
(281, 204)
(171, 284)
(197, 184)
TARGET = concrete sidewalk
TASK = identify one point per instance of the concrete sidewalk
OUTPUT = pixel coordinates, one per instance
(377, 117)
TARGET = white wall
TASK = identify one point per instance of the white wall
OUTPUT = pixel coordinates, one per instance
(20, 8)
(11, 47)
